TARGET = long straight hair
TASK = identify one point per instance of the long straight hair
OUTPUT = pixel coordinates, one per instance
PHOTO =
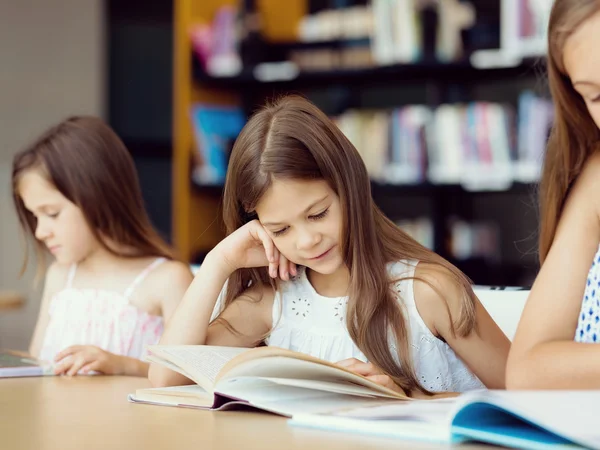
(87, 163)
(574, 135)
(293, 139)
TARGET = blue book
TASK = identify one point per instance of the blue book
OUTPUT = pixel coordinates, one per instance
(215, 128)
(518, 419)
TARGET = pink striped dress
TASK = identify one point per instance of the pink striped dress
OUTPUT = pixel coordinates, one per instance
(102, 318)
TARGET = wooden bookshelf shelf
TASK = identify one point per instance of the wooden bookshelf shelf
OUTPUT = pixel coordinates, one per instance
(461, 72)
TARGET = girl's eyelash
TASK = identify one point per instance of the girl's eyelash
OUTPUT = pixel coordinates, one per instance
(315, 217)
(279, 232)
(596, 99)
(320, 215)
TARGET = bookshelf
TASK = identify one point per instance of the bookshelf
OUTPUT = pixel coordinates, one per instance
(196, 218)
(196, 214)
(462, 71)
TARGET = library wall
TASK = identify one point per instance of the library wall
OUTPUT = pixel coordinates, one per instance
(49, 79)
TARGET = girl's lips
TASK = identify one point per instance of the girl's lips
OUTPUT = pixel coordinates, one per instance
(322, 254)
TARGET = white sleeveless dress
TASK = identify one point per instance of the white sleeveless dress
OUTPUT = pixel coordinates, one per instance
(307, 322)
(102, 318)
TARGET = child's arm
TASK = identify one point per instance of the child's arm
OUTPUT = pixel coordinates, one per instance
(250, 314)
(55, 279)
(167, 284)
(171, 282)
(544, 354)
(87, 358)
(484, 351)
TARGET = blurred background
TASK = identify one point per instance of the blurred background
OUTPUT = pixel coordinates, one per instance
(445, 99)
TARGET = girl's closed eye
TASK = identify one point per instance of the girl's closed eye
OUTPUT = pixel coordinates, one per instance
(280, 232)
(321, 215)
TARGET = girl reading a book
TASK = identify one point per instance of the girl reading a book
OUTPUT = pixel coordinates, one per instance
(553, 346)
(113, 281)
(312, 265)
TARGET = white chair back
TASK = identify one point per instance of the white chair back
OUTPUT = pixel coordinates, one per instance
(505, 307)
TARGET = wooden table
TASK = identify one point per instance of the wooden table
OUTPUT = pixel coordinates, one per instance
(93, 413)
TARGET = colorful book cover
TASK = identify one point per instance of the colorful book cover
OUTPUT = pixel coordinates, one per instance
(215, 128)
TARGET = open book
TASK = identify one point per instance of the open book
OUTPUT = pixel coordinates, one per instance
(267, 378)
(519, 419)
(16, 364)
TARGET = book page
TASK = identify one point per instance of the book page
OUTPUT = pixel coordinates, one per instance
(202, 362)
(278, 363)
(192, 395)
(432, 411)
(338, 387)
(291, 400)
(191, 390)
(404, 429)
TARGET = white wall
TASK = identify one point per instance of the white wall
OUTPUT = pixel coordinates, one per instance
(52, 64)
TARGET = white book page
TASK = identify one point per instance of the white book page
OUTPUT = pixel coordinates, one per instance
(192, 390)
(201, 362)
(298, 369)
(169, 365)
(192, 395)
(327, 386)
(292, 400)
(431, 411)
(405, 429)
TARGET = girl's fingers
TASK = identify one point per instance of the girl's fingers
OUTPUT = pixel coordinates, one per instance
(267, 243)
(386, 381)
(274, 266)
(284, 269)
(364, 369)
(64, 365)
(89, 367)
(59, 369)
(382, 380)
(348, 362)
(270, 250)
(67, 351)
(80, 361)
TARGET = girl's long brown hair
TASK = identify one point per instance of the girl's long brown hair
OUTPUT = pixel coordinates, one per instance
(574, 134)
(293, 139)
(88, 163)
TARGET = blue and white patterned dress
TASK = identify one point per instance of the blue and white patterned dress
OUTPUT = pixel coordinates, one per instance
(588, 327)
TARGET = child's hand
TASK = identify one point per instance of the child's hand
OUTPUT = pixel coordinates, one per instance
(86, 358)
(251, 246)
(371, 372)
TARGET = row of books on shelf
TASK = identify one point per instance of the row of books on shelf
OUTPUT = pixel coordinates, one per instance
(383, 32)
(467, 240)
(398, 29)
(482, 146)
(523, 33)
